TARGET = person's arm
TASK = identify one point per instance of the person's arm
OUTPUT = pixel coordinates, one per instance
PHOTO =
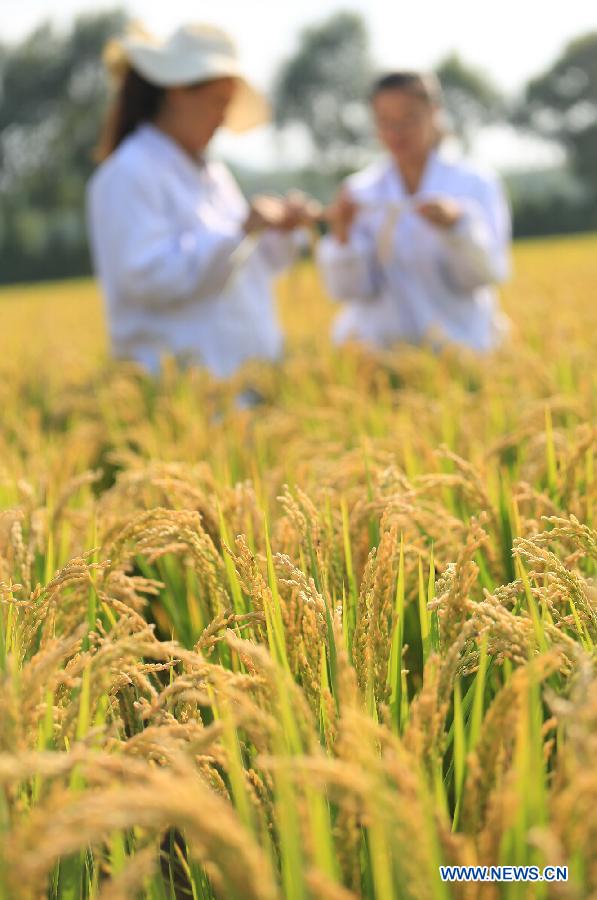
(476, 247)
(347, 257)
(349, 270)
(279, 248)
(155, 261)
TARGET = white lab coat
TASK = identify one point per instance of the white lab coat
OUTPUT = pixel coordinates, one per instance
(165, 233)
(433, 284)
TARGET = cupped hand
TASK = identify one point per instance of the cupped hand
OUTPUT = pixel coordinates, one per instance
(302, 211)
(296, 210)
(443, 212)
(265, 211)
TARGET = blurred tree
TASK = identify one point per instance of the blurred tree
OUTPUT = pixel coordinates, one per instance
(561, 104)
(324, 86)
(53, 92)
(471, 98)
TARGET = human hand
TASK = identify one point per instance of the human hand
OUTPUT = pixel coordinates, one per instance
(296, 210)
(341, 214)
(443, 212)
(265, 211)
(302, 211)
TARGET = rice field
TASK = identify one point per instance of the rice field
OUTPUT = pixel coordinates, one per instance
(315, 649)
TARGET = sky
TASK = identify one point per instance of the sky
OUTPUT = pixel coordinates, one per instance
(511, 40)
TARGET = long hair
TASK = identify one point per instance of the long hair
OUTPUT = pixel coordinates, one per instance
(137, 100)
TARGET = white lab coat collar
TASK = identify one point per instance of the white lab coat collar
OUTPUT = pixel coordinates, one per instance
(151, 135)
(431, 180)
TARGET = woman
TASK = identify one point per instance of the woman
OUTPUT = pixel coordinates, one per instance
(416, 240)
(185, 263)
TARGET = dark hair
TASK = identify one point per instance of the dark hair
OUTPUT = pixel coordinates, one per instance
(136, 101)
(420, 84)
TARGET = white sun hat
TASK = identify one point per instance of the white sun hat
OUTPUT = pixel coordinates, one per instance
(191, 55)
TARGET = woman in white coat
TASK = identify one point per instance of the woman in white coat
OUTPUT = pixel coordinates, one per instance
(417, 240)
(185, 263)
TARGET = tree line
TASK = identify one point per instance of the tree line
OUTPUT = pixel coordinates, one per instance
(53, 92)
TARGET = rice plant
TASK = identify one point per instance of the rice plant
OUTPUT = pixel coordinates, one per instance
(312, 650)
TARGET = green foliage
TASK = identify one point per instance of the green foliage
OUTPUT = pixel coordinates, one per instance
(324, 86)
(471, 98)
(53, 98)
(561, 104)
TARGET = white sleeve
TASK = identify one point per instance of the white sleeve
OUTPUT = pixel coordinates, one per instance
(153, 260)
(277, 249)
(349, 271)
(280, 249)
(476, 249)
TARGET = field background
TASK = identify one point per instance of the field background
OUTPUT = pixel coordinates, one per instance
(65, 318)
(289, 652)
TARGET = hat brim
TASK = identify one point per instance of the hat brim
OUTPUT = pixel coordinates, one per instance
(248, 108)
